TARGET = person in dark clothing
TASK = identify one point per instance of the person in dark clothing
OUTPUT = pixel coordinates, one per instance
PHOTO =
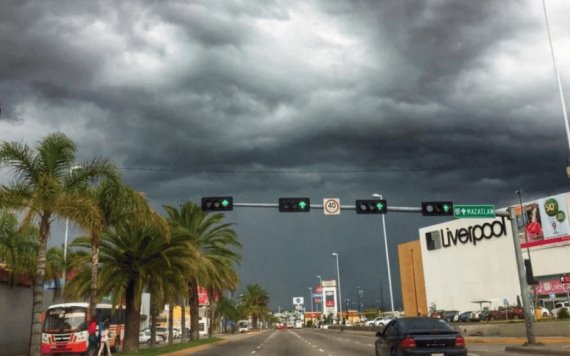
(93, 337)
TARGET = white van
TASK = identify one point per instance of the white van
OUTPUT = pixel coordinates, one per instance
(243, 326)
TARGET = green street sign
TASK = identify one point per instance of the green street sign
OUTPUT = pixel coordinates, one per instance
(474, 211)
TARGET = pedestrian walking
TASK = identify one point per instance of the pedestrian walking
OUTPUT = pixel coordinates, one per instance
(104, 341)
(93, 339)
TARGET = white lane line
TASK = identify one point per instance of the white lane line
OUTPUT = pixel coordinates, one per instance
(252, 352)
(321, 350)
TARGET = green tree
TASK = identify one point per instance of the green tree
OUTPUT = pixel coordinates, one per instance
(18, 247)
(131, 256)
(117, 203)
(213, 243)
(255, 300)
(44, 189)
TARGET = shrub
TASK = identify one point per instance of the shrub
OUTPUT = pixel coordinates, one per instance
(563, 314)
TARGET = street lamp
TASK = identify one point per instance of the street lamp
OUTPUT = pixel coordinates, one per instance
(375, 195)
(311, 297)
(71, 169)
(322, 294)
(338, 277)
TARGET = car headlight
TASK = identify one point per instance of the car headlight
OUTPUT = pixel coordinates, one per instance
(45, 338)
(81, 336)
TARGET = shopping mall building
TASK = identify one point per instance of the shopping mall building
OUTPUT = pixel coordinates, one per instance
(466, 264)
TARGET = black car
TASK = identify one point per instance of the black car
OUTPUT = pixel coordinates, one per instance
(419, 336)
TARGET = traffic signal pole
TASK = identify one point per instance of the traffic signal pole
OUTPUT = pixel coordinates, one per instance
(525, 291)
(509, 214)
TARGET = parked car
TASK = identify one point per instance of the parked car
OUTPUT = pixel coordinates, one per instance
(161, 333)
(373, 321)
(464, 316)
(544, 311)
(510, 313)
(384, 321)
(448, 315)
(419, 335)
(144, 337)
(556, 311)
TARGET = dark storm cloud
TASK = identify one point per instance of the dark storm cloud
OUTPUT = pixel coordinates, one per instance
(412, 99)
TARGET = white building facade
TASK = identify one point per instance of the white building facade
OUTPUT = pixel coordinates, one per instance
(466, 261)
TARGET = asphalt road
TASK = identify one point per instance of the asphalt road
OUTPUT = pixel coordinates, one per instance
(306, 342)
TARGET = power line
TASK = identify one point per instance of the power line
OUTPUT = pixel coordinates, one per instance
(313, 171)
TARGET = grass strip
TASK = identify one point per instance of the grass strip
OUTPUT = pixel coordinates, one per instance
(165, 349)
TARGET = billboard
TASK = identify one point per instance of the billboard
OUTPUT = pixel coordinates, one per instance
(330, 301)
(544, 222)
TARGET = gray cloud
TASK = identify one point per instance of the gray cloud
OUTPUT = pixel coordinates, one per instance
(416, 100)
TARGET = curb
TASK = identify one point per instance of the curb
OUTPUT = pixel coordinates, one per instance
(515, 340)
(536, 350)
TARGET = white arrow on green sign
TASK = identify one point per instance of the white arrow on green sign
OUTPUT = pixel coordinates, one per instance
(474, 211)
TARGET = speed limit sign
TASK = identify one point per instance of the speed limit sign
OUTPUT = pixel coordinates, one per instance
(331, 206)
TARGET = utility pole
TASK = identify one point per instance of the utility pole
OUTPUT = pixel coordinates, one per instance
(528, 317)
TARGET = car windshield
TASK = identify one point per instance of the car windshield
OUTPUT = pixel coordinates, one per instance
(420, 325)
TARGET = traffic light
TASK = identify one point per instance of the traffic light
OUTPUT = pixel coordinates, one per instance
(294, 205)
(217, 203)
(437, 208)
(529, 274)
(375, 206)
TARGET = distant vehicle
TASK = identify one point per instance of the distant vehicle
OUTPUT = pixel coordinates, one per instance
(448, 315)
(373, 321)
(419, 336)
(243, 326)
(298, 324)
(558, 307)
(544, 311)
(510, 313)
(384, 321)
(464, 316)
(144, 337)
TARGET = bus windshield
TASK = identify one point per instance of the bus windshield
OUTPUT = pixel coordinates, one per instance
(69, 319)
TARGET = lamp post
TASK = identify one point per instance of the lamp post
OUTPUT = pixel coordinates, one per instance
(311, 297)
(375, 195)
(339, 291)
(71, 169)
(322, 294)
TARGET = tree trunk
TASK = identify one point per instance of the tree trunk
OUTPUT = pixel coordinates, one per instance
(133, 317)
(38, 288)
(94, 270)
(153, 315)
(211, 309)
(183, 321)
(194, 310)
(170, 324)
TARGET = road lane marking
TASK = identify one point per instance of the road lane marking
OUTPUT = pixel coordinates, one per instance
(321, 350)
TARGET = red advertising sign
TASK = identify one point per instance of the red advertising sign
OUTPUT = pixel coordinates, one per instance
(203, 296)
(329, 299)
(317, 300)
(319, 290)
(551, 286)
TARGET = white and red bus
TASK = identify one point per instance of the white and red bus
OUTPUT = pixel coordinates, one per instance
(65, 327)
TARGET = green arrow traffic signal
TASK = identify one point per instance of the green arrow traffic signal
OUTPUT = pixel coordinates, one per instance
(217, 203)
(371, 206)
(294, 205)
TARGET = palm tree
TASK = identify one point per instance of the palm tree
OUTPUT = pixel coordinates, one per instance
(214, 243)
(18, 247)
(254, 300)
(45, 189)
(117, 203)
(131, 256)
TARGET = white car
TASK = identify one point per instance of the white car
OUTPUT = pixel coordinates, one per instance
(144, 337)
(373, 321)
(556, 311)
(383, 321)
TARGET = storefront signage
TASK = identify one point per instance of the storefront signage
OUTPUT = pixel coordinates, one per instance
(465, 235)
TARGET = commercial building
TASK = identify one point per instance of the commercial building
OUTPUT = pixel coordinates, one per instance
(467, 264)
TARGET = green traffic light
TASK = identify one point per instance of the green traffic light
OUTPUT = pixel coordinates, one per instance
(446, 208)
(302, 205)
(225, 203)
(379, 206)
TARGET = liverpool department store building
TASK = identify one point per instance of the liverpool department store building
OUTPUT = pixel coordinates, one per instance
(466, 264)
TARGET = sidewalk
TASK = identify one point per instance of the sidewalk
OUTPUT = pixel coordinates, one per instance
(546, 345)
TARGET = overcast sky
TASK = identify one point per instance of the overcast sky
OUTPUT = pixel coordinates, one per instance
(416, 100)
